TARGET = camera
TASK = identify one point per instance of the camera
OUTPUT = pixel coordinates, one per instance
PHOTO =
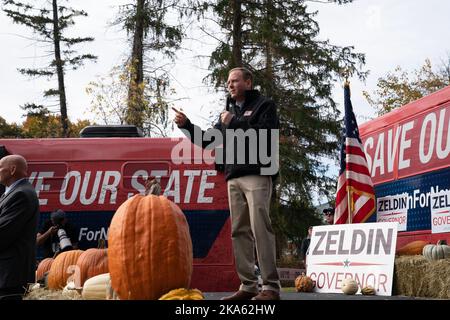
(64, 242)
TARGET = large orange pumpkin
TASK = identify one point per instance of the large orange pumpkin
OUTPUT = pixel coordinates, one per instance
(61, 268)
(149, 248)
(412, 248)
(43, 267)
(92, 262)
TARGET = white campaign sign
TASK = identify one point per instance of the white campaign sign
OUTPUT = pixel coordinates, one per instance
(440, 211)
(363, 251)
(393, 209)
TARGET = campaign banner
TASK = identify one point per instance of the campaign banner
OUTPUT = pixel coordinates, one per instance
(363, 252)
(417, 144)
(393, 209)
(424, 197)
(86, 186)
(440, 211)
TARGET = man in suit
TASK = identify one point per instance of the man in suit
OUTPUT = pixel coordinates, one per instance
(19, 211)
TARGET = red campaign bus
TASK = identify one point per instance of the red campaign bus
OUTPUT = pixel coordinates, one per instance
(89, 178)
(407, 152)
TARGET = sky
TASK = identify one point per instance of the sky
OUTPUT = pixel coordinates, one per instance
(390, 32)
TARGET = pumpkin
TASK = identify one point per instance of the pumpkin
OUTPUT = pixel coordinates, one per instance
(61, 269)
(96, 288)
(303, 283)
(183, 294)
(368, 291)
(43, 267)
(437, 251)
(412, 248)
(149, 248)
(349, 286)
(92, 262)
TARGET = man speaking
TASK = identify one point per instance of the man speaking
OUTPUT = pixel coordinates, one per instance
(249, 182)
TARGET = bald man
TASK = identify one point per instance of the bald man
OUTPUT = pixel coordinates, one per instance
(19, 211)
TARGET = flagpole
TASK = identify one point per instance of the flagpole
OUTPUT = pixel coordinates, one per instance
(349, 203)
(349, 191)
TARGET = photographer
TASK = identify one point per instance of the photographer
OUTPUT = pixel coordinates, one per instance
(57, 235)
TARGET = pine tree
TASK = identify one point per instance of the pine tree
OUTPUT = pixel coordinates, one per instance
(278, 41)
(153, 44)
(50, 20)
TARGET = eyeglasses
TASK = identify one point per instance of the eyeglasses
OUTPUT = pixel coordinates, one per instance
(329, 214)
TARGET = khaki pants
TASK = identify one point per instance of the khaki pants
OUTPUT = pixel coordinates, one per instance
(249, 201)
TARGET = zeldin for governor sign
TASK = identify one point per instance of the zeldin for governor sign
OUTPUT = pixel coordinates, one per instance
(363, 251)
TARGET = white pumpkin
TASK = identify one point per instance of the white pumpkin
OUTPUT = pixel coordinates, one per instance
(437, 251)
(349, 286)
(96, 288)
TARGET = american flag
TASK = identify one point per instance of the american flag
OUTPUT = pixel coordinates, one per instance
(355, 197)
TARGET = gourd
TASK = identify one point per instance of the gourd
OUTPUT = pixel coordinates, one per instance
(61, 269)
(96, 288)
(183, 294)
(303, 283)
(437, 251)
(149, 248)
(368, 291)
(43, 267)
(349, 286)
(412, 248)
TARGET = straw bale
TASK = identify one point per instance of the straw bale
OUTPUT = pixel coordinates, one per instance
(45, 294)
(418, 277)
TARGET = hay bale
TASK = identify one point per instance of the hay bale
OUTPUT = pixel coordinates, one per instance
(45, 294)
(418, 277)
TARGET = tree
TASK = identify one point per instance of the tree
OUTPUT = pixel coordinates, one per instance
(36, 126)
(9, 130)
(109, 97)
(278, 42)
(41, 123)
(76, 127)
(153, 45)
(50, 21)
(400, 87)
